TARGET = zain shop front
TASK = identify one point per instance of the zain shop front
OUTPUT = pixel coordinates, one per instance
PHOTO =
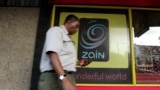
(106, 37)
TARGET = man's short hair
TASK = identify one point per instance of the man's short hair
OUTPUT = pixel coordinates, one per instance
(71, 17)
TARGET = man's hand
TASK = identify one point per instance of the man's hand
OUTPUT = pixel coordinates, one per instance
(67, 84)
(83, 62)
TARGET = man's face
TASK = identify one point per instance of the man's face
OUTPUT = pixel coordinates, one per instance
(73, 27)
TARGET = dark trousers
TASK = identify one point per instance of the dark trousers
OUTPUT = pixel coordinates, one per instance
(51, 81)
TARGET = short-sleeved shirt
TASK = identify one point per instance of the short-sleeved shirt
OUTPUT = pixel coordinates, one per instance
(57, 40)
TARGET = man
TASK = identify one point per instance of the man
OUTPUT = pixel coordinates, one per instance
(59, 60)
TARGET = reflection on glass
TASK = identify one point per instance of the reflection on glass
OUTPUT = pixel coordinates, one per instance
(147, 55)
(151, 37)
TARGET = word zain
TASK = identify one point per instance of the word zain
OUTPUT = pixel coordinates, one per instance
(93, 55)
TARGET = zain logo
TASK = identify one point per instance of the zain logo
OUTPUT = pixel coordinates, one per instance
(94, 36)
(93, 39)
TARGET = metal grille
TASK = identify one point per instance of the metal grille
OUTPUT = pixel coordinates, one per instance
(19, 3)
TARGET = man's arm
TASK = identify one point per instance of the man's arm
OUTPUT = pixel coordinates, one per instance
(56, 63)
(66, 83)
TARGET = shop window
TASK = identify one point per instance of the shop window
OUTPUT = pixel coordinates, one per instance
(147, 46)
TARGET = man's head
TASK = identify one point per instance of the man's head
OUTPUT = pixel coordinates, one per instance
(71, 23)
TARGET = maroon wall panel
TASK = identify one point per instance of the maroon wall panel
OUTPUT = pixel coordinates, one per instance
(141, 3)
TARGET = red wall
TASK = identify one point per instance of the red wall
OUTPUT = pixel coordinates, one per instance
(142, 3)
(120, 88)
